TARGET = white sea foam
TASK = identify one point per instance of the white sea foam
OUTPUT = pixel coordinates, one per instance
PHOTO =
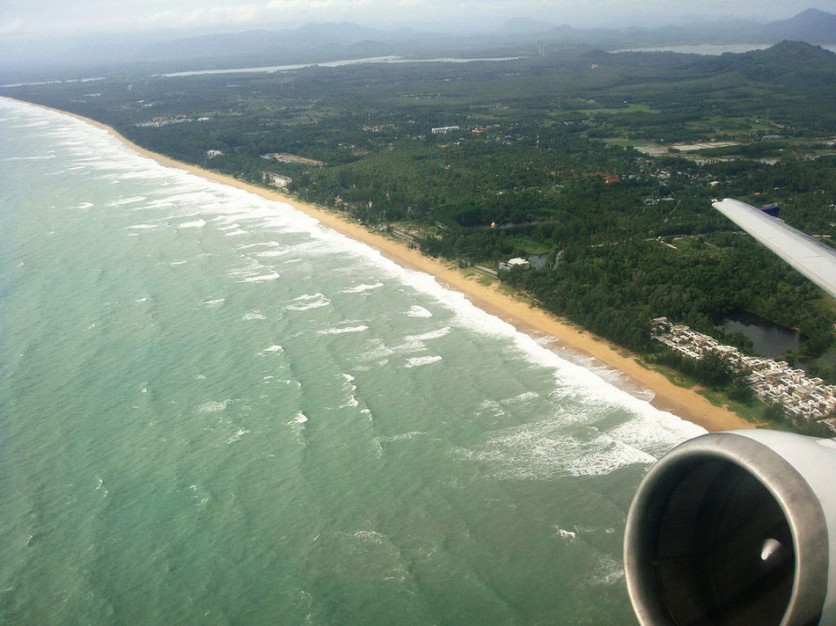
(344, 330)
(268, 254)
(351, 403)
(418, 311)
(379, 352)
(567, 535)
(45, 157)
(420, 361)
(254, 272)
(654, 434)
(433, 334)
(200, 495)
(126, 201)
(38, 124)
(254, 315)
(300, 420)
(362, 288)
(311, 248)
(370, 536)
(526, 396)
(213, 406)
(491, 408)
(199, 223)
(273, 349)
(162, 203)
(606, 571)
(211, 304)
(236, 436)
(258, 244)
(477, 320)
(400, 437)
(260, 278)
(308, 302)
(350, 388)
(544, 450)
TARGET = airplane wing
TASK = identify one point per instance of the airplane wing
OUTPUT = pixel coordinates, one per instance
(810, 257)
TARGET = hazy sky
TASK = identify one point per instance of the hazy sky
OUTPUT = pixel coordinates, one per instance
(26, 19)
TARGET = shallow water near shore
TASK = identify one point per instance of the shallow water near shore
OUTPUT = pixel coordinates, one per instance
(215, 411)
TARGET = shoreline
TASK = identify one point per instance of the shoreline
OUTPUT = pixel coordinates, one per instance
(526, 318)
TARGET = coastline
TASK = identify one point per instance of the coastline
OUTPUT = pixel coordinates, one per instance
(684, 403)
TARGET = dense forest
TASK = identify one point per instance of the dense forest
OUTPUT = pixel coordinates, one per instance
(599, 167)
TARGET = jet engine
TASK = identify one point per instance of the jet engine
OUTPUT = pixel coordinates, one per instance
(736, 529)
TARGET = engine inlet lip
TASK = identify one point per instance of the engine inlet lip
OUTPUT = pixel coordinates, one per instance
(798, 502)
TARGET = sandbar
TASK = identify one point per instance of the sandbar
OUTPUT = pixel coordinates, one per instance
(525, 317)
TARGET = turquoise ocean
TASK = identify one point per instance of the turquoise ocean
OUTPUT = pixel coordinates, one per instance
(213, 410)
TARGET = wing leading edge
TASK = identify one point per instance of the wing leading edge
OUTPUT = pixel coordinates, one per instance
(810, 257)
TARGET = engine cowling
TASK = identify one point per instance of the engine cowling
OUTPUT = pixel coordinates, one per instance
(737, 529)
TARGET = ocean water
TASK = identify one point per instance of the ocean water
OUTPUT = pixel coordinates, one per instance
(215, 411)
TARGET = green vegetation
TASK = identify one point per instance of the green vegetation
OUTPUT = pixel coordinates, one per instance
(570, 157)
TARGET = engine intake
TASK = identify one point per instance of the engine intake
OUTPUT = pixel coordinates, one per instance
(736, 529)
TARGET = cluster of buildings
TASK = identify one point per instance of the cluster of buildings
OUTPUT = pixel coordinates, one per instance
(510, 264)
(166, 120)
(443, 130)
(806, 400)
(378, 128)
(276, 180)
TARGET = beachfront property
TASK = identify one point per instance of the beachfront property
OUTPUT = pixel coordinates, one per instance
(276, 180)
(510, 264)
(166, 120)
(806, 400)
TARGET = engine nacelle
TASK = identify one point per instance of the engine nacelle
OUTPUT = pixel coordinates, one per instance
(737, 529)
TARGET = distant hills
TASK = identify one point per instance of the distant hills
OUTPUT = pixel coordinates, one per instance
(332, 41)
(788, 63)
(317, 42)
(289, 43)
(811, 26)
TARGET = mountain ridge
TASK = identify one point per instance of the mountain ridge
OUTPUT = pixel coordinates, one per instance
(329, 41)
(811, 26)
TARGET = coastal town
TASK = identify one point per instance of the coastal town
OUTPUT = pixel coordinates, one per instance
(805, 401)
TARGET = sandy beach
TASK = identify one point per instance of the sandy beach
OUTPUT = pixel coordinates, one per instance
(682, 402)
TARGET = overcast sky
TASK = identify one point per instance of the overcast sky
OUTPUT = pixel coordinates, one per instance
(28, 19)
